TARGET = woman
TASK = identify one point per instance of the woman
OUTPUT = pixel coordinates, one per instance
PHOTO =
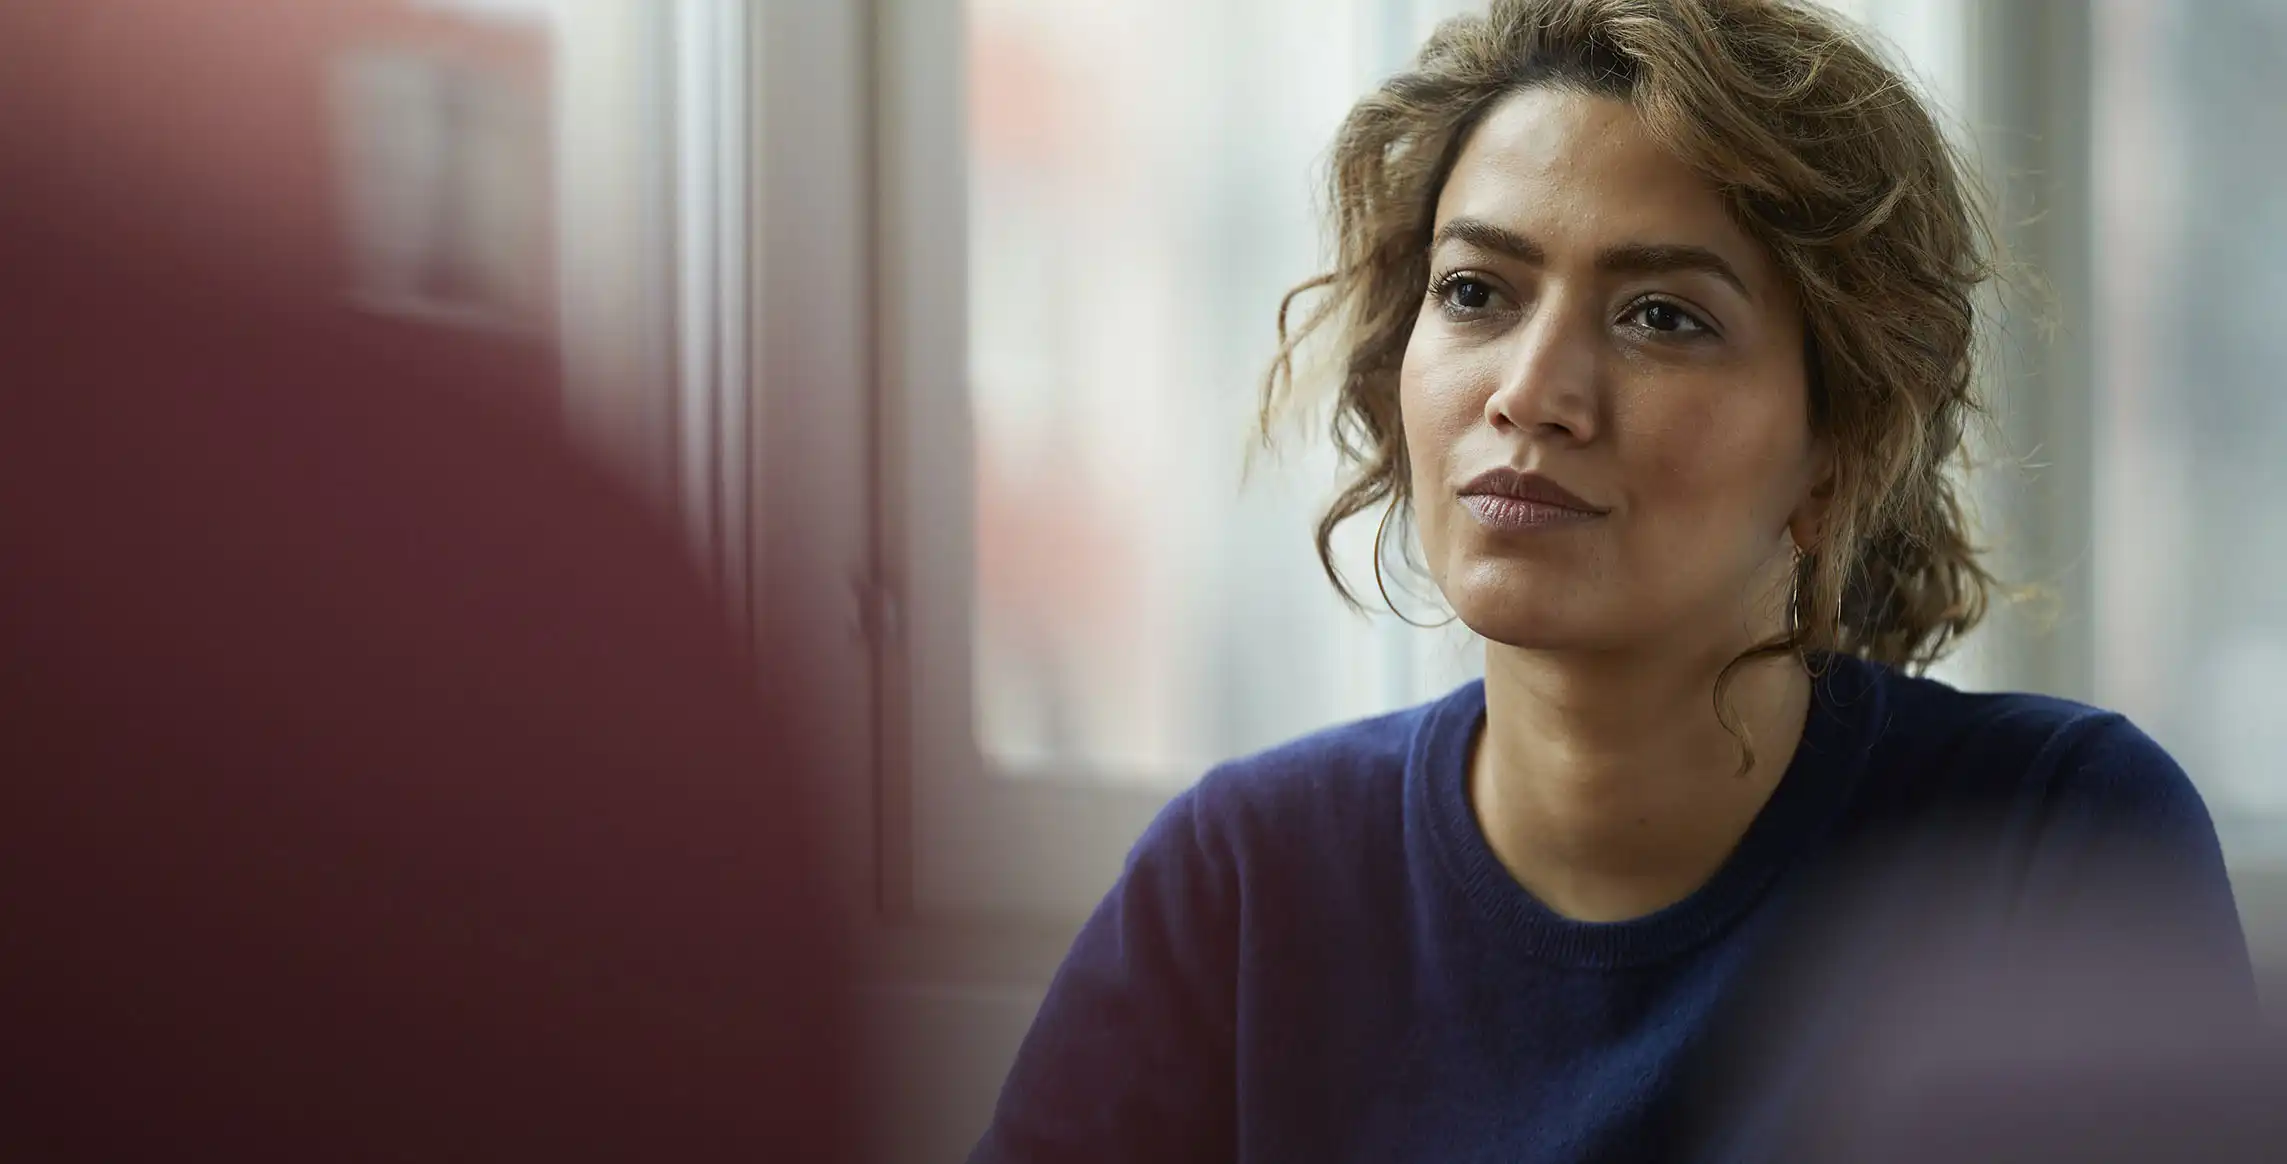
(1656, 318)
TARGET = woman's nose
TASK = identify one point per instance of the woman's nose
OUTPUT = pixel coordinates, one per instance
(1548, 375)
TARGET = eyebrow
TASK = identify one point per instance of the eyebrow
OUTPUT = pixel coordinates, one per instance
(1624, 259)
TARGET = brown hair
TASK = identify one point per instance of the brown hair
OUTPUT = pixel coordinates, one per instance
(1826, 157)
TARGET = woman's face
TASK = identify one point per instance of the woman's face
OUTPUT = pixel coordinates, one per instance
(1604, 394)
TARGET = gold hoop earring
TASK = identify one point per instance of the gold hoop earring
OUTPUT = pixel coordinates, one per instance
(1381, 531)
(1795, 598)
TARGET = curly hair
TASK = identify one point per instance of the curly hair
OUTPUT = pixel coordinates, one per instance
(1824, 155)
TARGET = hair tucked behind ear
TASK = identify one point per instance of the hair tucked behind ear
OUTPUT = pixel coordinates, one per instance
(1825, 155)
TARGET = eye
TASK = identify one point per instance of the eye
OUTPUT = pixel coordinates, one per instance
(1463, 295)
(1470, 295)
(1665, 318)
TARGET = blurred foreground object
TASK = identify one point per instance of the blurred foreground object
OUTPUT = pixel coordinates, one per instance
(377, 780)
(1921, 1024)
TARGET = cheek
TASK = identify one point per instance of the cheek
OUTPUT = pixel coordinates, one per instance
(1715, 458)
(1441, 395)
(1438, 402)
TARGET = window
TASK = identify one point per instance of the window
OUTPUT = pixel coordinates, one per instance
(444, 167)
(578, 168)
(1146, 601)
(2190, 257)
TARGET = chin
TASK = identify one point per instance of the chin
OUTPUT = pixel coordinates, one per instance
(1519, 606)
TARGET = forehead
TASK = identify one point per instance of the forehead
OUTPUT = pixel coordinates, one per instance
(1575, 171)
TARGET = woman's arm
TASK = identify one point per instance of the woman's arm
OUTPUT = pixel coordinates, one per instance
(1130, 1057)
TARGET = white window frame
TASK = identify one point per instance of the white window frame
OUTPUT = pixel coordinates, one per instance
(651, 143)
(813, 559)
(966, 843)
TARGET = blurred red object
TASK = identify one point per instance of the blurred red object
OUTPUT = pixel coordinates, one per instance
(377, 781)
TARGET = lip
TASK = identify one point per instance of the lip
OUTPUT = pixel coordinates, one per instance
(1536, 488)
(1508, 499)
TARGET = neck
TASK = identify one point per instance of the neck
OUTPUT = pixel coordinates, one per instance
(1608, 785)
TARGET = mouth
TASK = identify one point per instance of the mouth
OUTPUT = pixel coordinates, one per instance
(1509, 500)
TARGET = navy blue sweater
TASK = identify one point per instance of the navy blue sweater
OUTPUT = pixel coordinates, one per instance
(1313, 954)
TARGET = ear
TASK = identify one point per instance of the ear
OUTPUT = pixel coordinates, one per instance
(1807, 524)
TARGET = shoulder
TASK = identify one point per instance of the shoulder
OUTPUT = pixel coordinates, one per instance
(2055, 777)
(2020, 744)
(2100, 834)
